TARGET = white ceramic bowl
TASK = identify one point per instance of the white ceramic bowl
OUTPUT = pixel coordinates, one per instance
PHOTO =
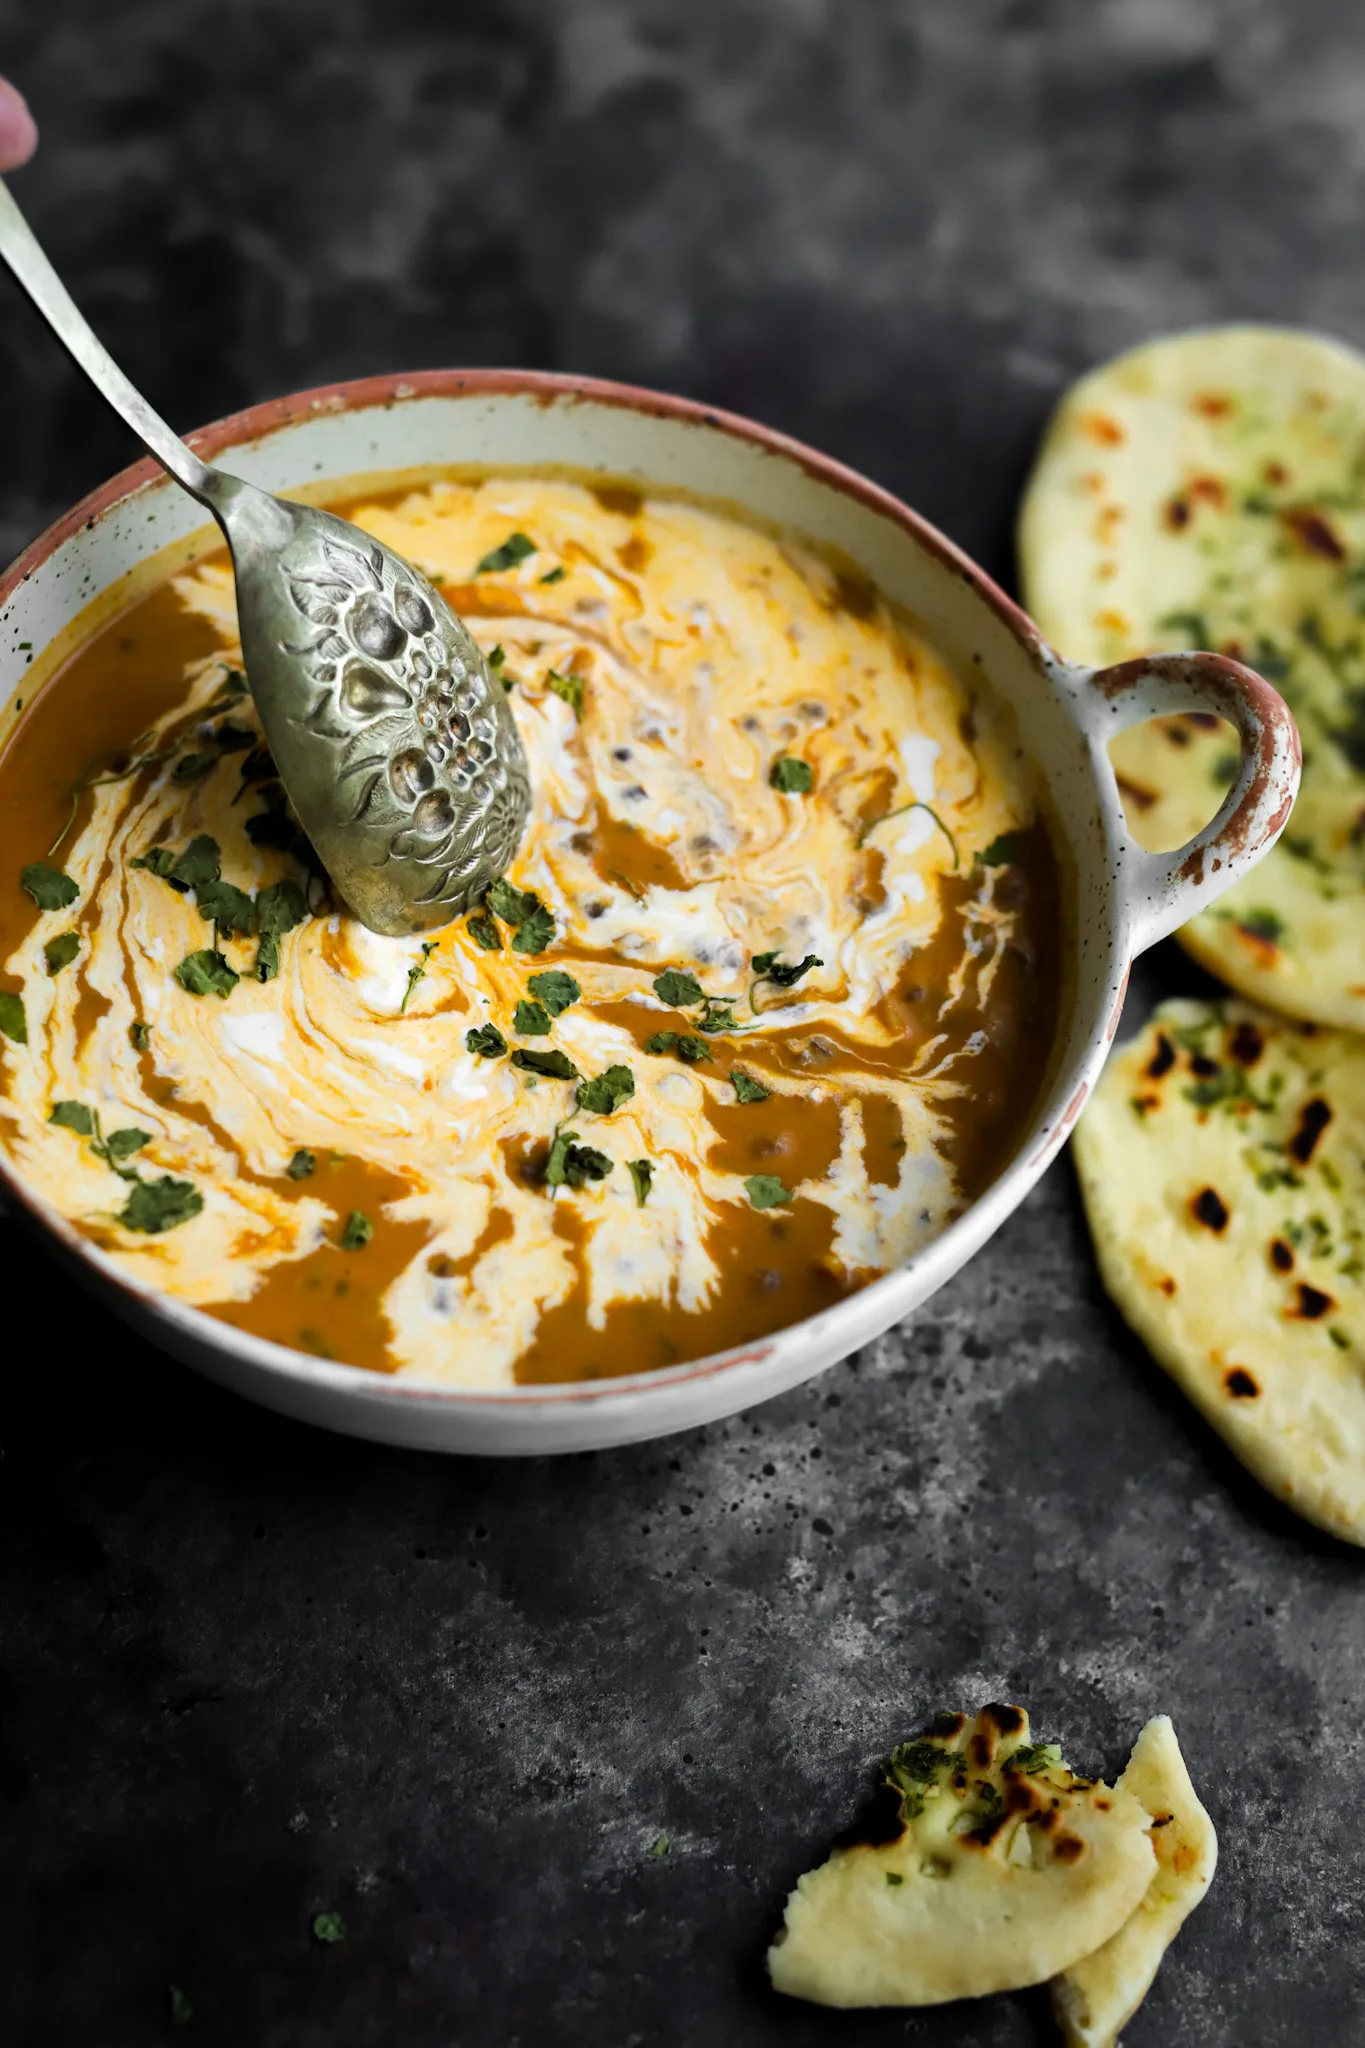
(1119, 900)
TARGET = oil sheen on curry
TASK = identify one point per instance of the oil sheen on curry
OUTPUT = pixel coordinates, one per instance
(763, 1004)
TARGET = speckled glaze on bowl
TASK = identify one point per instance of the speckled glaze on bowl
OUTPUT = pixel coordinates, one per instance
(1120, 899)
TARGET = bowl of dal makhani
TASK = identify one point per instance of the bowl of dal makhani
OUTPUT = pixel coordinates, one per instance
(809, 955)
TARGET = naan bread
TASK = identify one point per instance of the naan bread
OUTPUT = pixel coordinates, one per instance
(1003, 1870)
(1094, 2000)
(1208, 490)
(1222, 1161)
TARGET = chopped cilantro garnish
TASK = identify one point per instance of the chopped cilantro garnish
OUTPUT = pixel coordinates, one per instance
(61, 951)
(73, 1116)
(1001, 851)
(156, 1205)
(207, 973)
(487, 1041)
(793, 777)
(302, 1164)
(357, 1232)
(573, 1163)
(569, 687)
(509, 903)
(416, 972)
(641, 1172)
(1032, 1757)
(497, 670)
(328, 1927)
(278, 909)
(233, 739)
(1262, 924)
(746, 1088)
(556, 1064)
(660, 1846)
(199, 863)
(158, 861)
(122, 1144)
(484, 933)
(228, 907)
(677, 989)
(190, 767)
(899, 812)
(767, 967)
(555, 989)
(531, 1020)
(894, 1877)
(717, 1016)
(535, 932)
(140, 1036)
(514, 549)
(555, 575)
(766, 1190)
(49, 887)
(13, 1022)
(607, 1091)
(681, 1044)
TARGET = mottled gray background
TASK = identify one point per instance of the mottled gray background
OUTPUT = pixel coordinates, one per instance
(249, 1672)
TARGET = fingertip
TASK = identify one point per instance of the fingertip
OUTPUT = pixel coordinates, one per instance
(18, 129)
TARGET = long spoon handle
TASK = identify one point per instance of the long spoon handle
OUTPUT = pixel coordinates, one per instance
(20, 249)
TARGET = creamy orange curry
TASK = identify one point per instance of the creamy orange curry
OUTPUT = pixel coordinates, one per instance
(763, 1004)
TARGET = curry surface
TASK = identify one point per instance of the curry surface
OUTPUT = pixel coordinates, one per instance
(902, 1068)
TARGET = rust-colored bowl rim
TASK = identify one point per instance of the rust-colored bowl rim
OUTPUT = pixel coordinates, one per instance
(257, 423)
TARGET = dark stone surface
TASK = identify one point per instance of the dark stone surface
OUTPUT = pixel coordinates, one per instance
(250, 1671)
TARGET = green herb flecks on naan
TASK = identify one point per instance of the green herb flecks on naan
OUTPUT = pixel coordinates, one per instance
(1208, 490)
(1004, 1870)
(1222, 1162)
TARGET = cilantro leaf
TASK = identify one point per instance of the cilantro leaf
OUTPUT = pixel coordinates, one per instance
(570, 688)
(190, 767)
(607, 1091)
(509, 903)
(514, 549)
(1001, 851)
(357, 1233)
(13, 1022)
(49, 887)
(122, 1144)
(156, 1205)
(766, 1190)
(259, 766)
(717, 1016)
(768, 968)
(574, 1163)
(792, 776)
(746, 1088)
(1033, 1757)
(207, 973)
(555, 989)
(417, 972)
(159, 861)
(328, 1927)
(227, 906)
(557, 1065)
(199, 863)
(531, 1020)
(555, 575)
(679, 1042)
(73, 1116)
(534, 933)
(484, 933)
(641, 1172)
(61, 951)
(140, 1036)
(302, 1164)
(487, 1041)
(278, 909)
(1262, 924)
(677, 989)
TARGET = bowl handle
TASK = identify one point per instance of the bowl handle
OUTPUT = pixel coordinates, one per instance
(1164, 890)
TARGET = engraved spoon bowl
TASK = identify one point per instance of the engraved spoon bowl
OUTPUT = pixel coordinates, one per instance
(395, 745)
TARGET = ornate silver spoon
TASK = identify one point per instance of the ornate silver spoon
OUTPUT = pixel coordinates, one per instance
(395, 746)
